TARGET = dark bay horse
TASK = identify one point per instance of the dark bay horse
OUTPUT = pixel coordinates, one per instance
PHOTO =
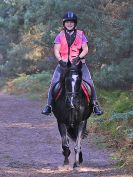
(72, 107)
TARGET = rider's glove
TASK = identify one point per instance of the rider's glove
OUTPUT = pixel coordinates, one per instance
(76, 60)
(63, 64)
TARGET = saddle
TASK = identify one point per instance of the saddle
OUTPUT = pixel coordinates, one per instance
(58, 88)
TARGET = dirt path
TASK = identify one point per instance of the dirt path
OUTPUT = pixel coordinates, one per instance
(30, 145)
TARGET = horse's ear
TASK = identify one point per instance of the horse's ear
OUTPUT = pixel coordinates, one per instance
(76, 66)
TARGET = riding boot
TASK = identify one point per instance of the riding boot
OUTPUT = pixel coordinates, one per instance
(48, 108)
(56, 78)
(96, 108)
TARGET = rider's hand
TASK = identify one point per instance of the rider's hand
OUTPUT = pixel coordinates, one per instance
(63, 64)
(76, 60)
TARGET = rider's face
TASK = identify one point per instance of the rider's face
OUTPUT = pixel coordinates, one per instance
(69, 25)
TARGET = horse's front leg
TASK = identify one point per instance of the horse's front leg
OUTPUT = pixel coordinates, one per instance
(65, 142)
(78, 153)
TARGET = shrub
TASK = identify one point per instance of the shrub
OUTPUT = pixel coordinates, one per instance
(36, 84)
(118, 76)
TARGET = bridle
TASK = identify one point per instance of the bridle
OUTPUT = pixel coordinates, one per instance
(73, 81)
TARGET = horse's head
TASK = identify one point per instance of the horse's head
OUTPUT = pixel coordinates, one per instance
(73, 81)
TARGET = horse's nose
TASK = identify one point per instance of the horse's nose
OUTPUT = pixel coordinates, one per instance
(72, 105)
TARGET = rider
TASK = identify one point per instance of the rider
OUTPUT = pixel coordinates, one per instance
(71, 44)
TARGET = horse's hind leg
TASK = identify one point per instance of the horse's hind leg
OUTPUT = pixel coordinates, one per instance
(78, 153)
(65, 142)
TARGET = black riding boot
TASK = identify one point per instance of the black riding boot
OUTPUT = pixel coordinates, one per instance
(48, 108)
(96, 108)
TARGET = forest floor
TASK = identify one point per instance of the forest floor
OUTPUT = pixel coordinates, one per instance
(30, 145)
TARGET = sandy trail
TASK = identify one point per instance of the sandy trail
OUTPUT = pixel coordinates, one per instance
(30, 145)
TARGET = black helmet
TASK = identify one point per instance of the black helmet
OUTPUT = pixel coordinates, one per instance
(70, 16)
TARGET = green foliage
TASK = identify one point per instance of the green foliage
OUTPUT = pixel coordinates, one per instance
(120, 126)
(2, 22)
(116, 75)
(28, 29)
(124, 102)
(35, 85)
(117, 120)
(13, 23)
(126, 116)
(15, 64)
(108, 26)
(22, 59)
(115, 101)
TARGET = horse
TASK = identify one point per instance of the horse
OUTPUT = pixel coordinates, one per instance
(72, 107)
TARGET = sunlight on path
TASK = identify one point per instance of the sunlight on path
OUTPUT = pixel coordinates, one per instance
(60, 171)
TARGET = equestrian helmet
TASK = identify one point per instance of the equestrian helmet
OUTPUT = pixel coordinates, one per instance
(70, 16)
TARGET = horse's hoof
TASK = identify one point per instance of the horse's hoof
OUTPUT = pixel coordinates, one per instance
(66, 162)
(76, 165)
(80, 158)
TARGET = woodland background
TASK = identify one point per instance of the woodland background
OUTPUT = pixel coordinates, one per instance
(27, 31)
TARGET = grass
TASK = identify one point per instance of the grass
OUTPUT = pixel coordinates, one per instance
(116, 123)
(34, 86)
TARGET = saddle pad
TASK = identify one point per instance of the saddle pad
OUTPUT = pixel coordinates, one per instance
(85, 87)
(87, 90)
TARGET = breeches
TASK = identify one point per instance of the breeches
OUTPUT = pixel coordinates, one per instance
(59, 73)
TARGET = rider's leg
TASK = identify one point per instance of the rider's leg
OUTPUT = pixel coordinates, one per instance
(56, 77)
(87, 77)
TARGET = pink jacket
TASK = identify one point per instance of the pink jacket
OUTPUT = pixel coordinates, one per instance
(74, 48)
